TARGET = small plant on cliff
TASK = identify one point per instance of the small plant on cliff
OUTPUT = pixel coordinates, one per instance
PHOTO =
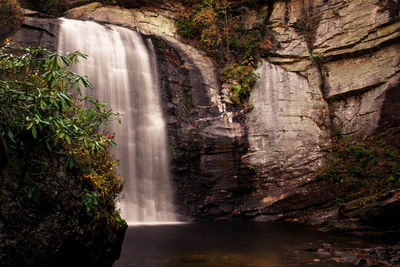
(245, 79)
(41, 107)
(187, 98)
(335, 12)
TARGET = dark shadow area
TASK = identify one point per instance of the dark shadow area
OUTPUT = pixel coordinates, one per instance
(390, 111)
(205, 150)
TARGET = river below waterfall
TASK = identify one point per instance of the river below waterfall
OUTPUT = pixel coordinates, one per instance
(237, 244)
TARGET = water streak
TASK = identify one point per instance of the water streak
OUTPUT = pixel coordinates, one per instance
(122, 68)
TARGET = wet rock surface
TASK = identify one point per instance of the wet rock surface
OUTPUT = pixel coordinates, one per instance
(387, 255)
(206, 140)
(287, 133)
(37, 32)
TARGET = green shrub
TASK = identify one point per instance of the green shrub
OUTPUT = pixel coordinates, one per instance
(186, 26)
(41, 107)
(372, 166)
(11, 17)
(35, 98)
(245, 79)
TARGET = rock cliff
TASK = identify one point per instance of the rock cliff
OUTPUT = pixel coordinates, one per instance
(339, 68)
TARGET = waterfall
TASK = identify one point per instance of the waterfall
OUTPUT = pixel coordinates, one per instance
(122, 68)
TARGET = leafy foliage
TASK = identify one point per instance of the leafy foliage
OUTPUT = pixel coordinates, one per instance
(219, 29)
(97, 173)
(35, 98)
(372, 166)
(11, 17)
(245, 78)
(42, 106)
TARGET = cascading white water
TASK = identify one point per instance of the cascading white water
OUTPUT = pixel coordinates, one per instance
(122, 68)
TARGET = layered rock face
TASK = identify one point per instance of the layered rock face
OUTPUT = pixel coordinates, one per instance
(349, 47)
(38, 32)
(288, 131)
(335, 66)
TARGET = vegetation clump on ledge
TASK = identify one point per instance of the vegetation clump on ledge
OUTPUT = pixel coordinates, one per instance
(218, 27)
(371, 168)
(55, 167)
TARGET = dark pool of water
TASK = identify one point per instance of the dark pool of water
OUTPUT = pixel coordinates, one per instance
(232, 244)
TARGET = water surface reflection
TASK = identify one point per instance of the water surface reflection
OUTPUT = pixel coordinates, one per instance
(232, 244)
